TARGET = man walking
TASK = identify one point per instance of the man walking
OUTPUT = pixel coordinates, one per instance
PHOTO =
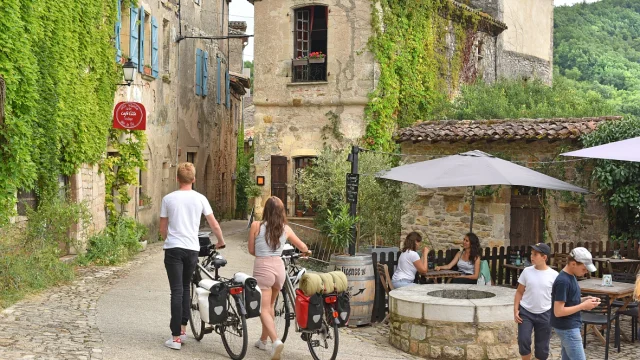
(179, 223)
(532, 304)
(567, 304)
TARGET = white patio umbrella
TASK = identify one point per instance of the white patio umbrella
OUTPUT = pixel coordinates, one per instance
(625, 150)
(474, 168)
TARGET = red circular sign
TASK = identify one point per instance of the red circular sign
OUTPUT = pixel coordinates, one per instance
(130, 116)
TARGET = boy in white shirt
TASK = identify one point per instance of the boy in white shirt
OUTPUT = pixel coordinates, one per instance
(532, 304)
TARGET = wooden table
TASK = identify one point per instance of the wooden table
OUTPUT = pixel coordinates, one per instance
(444, 275)
(619, 290)
(630, 265)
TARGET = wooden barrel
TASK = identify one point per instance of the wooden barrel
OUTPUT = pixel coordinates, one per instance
(361, 282)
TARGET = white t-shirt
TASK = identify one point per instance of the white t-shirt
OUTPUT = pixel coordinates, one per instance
(406, 270)
(537, 294)
(183, 208)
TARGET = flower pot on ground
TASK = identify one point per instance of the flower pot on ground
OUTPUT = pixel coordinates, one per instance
(143, 243)
(299, 62)
(298, 213)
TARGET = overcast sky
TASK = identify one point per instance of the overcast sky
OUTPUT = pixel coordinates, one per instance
(242, 10)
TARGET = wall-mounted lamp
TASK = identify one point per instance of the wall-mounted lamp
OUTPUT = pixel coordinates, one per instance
(260, 180)
(250, 141)
(129, 70)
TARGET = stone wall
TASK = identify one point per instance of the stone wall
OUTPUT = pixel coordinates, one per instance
(443, 215)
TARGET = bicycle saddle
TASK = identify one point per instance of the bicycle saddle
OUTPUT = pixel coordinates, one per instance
(219, 262)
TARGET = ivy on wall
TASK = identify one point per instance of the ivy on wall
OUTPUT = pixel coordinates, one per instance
(416, 66)
(58, 61)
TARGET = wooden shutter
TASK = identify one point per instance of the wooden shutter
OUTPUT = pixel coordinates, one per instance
(117, 32)
(133, 41)
(154, 48)
(141, 41)
(227, 93)
(205, 73)
(198, 72)
(279, 178)
(218, 94)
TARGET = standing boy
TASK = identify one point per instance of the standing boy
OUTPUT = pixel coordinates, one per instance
(532, 304)
(567, 304)
(179, 223)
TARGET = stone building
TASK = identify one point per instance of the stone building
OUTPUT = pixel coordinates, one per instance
(505, 215)
(184, 82)
(296, 106)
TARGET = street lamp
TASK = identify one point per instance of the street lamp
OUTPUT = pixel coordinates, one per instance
(129, 70)
(250, 141)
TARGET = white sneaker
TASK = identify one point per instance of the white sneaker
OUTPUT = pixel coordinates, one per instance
(261, 345)
(276, 350)
(183, 337)
(173, 344)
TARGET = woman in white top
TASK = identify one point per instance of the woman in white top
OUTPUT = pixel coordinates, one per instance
(266, 242)
(410, 262)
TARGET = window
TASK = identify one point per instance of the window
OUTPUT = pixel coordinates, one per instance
(310, 35)
(191, 157)
(145, 44)
(166, 43)
(143, 196)
(131, 28)
(26, 199)
(218, 70)
(202, 72)
(123, 33)
(301, 207)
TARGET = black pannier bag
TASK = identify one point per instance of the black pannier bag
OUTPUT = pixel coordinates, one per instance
(343, 307)
(251, 292)
(309, 310)
(204, 245)
(218, 305)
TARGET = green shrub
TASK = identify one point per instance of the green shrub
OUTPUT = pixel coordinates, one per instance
(116, 244)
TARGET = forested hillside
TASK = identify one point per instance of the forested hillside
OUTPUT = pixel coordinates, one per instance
(598, 44)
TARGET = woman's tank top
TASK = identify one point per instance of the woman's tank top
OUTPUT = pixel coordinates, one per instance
(263, 249)
(468, 268)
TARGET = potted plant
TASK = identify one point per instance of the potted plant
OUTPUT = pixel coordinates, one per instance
(144, 200)
(339, 224)
(300, 60)
(316, 57)
(147, 70)
(124, 58)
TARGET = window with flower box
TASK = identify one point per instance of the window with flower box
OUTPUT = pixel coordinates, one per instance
(309, 63)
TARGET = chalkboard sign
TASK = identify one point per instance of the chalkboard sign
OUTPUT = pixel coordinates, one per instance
(352, 188)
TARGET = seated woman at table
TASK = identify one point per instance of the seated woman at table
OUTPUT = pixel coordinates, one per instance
(467, 260)
(410, 262)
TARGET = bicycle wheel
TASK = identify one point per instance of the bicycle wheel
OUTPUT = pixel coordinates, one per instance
(234, 331)
(197, 325)
(323, 343)
(282, 315)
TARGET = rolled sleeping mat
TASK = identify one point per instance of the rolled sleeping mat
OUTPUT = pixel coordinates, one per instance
(311, 284)
(327, 281)
(340, 281)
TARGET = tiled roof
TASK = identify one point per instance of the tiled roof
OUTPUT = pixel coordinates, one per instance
(510, 129)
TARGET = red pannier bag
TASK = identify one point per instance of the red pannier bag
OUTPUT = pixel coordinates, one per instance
(308, 310)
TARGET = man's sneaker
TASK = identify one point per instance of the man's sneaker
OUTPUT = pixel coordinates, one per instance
(173, 344)
(261, 345)
(276, 350)
(183, 337)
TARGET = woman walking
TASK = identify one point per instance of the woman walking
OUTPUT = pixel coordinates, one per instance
(266, 242)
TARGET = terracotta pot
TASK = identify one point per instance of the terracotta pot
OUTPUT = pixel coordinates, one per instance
(147, 71)
(299, 213)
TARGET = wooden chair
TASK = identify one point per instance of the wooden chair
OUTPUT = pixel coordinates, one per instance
(601, 316)
(385, 279)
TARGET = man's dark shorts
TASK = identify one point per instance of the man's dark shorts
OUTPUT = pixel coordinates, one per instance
(541, 325)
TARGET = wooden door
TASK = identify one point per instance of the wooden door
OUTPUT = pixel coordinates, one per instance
(527, 217)
(279, 178)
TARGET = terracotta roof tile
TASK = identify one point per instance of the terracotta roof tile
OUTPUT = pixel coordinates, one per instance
(509, 129)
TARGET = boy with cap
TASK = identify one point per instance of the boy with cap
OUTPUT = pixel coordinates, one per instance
(532, 304)
(567, 304)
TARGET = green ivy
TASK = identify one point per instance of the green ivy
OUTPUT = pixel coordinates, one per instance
(58, 61)
(409, 43)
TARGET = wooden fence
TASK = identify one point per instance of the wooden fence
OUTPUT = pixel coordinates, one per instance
(497, 257)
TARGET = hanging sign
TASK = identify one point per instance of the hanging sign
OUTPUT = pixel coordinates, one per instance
(352, 188)
(129, 116)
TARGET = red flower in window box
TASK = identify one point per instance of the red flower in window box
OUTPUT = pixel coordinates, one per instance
(316, 57)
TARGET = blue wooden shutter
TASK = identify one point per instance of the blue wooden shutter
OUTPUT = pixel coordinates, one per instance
(227, 93)
(205, 73)
(218, 94)
(117, 32)
(198, 72)
(154, 47)
(133, 41)
(141, 31)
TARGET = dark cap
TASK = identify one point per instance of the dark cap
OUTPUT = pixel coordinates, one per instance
(542, 248)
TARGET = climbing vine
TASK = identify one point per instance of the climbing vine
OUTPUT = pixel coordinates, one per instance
(58, 61)
(417, 67)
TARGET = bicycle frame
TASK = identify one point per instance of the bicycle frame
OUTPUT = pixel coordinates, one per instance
(216, 277)
(288, 285)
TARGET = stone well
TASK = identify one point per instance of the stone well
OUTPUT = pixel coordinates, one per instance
(454, 321)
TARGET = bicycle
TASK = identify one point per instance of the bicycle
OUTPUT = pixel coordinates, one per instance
(232, 330)
(322, 343)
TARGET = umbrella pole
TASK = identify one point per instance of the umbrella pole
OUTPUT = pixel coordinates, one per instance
(473, 205)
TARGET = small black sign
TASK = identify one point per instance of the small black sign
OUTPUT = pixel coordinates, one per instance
(352, 188)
